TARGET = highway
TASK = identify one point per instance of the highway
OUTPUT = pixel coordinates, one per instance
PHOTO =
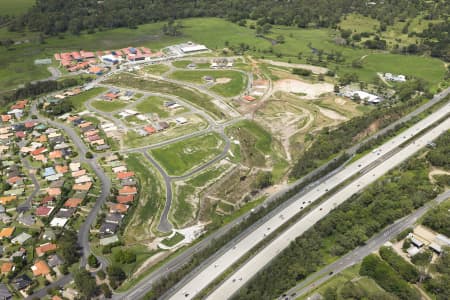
(355, 256)
(144, 286)
(231, 285)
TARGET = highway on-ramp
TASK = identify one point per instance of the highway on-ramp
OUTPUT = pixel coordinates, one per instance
(388, 155)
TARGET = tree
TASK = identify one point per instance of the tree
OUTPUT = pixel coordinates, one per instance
(116, 275)
(85, 283)
(93, 261)
(89, 155)
(280, 39)
(422, 258)
(68, 247)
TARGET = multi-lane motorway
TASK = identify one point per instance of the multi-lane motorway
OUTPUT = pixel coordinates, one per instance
(355, 256)
(200, 280)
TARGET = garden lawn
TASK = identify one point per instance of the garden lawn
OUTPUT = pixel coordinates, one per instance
(178, 158)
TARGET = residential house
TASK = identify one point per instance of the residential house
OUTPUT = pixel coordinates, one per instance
(21, 282)
(45, 248)
(39, 268)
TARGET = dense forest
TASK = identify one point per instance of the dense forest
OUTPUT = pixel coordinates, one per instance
(395, 195)
(54, 16)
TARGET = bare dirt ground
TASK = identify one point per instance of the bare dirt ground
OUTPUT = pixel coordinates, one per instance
(332, 114)
(436, 171)
(311, 91)
(284, 120)
(314, 69)
(223, 80)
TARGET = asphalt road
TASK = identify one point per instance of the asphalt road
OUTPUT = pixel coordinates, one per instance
(83, 233)
(231, 285)
(57, 284)
(355, 256)
(37, 187)
(144, 286)
(164, 224)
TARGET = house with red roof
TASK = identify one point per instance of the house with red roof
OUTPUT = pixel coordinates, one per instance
(44, 211)
(44, 248)
(124, 175)
(125, 199)
(127, 190)
(149, 129)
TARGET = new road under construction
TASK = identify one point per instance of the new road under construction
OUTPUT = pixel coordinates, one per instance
(351, 179)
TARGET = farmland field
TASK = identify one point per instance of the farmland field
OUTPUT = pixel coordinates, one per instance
(234, 87)
(178, 158)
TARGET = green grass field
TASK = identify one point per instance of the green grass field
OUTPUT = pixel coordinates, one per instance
(16, 63)
(232, 88)
(178, 158)
(108, 106)
(178, 237)
(15, 7)
(195, 97)
(79, 100)
(151, 198)
(153, 105)
(182, 64)
(182, 210)
(157, 69)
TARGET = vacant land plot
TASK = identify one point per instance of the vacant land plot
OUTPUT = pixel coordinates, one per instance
(79, 100)
(178, 158)
(157, 69)
(151, 199)
(181, 63)
(254, 141)
(155, 105)
(189, 196)
(226, 83)
(195, 124)
(195, 97)
(108, 106)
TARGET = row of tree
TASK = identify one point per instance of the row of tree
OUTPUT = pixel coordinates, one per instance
(53, 17)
